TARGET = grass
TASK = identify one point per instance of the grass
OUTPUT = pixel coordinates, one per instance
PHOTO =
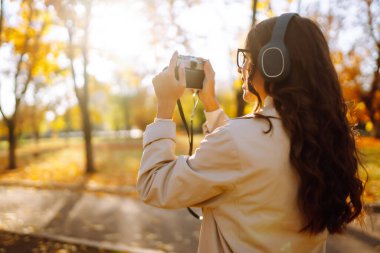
(55, 162)
(370, 154)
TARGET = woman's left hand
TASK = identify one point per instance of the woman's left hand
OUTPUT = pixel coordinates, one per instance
(168, 90)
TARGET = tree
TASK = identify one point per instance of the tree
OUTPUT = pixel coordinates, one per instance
(239, 92)
(363, 55)
(28, 54)
(78, 29)
(372, 98)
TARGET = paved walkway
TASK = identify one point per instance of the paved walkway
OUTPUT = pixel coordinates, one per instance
(116, 222)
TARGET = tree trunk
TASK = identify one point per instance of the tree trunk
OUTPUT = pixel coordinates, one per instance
(83, 93)
(254, 8)
(68, 127)
(12, 144)
(239, 93)
(36, 137)
(371, 96)
(90, 168)
(377, 130)
(35, 128)
(375, 85)
(87, 129)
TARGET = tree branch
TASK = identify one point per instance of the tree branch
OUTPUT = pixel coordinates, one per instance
(1, 41)
(370, 22)
(180, 32)
(376, 77)
(3, 114)
(32, 60)
(368, 98)
(85, 50)
(254, 11)
(23, 52)
(69, 28)
(1, 20)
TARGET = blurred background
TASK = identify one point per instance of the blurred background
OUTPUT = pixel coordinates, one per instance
(76, 96)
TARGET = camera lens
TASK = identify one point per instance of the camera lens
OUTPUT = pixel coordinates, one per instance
(193, 64)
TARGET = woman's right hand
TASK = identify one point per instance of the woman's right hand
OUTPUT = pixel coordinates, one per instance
(207, 94)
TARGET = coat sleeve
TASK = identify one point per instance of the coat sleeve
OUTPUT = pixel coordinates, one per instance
(169, 181)
(214, 120)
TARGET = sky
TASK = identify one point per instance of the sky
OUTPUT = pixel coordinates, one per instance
(133, 36)
(214, 29)
(138, 37)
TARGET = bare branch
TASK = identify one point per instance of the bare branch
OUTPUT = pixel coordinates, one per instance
(3, 114)
(299, 6)
(85, 49)
(254, 11)
(1, 41)
(25, 88)
(180, 32)
(23, 52)
(32, 63)
(370, 22)
(32, 60)
(71, 57)
(377, 43)
(1, 20)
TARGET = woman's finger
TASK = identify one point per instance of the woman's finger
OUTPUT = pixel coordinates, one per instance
(209, 71)
(154, 80)
(173, 62)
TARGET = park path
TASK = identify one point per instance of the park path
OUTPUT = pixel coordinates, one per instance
(116, 221)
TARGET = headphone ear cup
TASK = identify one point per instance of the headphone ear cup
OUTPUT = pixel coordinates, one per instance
(273, 62)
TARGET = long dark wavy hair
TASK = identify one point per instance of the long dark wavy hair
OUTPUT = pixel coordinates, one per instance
(313, 112)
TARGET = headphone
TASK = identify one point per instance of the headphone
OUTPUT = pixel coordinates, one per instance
(273, 60)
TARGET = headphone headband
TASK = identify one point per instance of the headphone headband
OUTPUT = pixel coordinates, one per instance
(279, 29)
(273, 60)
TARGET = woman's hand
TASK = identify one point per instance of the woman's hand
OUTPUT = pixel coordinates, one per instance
(168, 90)
(207, 94)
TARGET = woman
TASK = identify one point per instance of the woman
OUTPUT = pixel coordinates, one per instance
(277, 181)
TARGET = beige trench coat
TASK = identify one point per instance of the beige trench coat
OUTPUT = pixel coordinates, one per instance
(242, 179)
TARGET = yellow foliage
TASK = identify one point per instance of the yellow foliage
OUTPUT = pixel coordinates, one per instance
(262, 4)
(351, 92)
(369, 126)
(337, 57)
(361, 112)
(248, 109)
(237, 84)
(3, 129)
(58, 124)
(55, 169)
(228, 101)
(96, 116)
(75, 117)
(377, 116)
(15, 37)
(377, 98)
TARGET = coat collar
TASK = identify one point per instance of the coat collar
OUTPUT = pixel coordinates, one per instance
(268, 108)
(268, 100)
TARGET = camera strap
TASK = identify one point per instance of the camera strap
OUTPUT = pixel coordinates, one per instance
(190, 135)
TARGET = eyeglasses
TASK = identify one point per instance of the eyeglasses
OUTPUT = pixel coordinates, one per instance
(241, 57)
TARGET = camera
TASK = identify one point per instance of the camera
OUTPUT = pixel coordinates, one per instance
(193, 71)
